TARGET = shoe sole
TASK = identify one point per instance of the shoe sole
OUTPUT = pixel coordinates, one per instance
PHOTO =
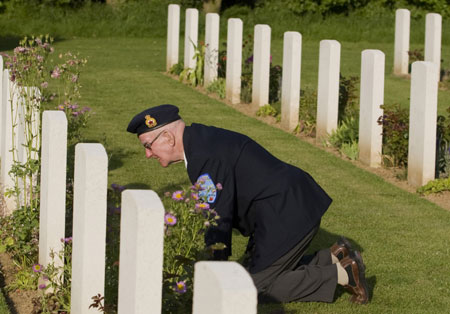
(362, 278)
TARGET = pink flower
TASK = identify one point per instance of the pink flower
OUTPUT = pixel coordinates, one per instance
(56, 73)
(74, 78)
(37, 268)
(178, 196)
(44, 85)
(194, 196)
(170, 219)
(42, 286)
(203, 206)
(61, 107)
(75, 113)
(180, 287)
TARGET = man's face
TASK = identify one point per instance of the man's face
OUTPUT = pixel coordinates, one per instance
(159, 145)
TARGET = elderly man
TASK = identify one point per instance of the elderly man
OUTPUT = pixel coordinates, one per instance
(276, 204)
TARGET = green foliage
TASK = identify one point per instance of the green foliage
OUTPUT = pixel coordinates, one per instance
(395, 122)
(56, 281)
(218, 87)
(195, 76)
(247, 70)
(346, 133)
(351, 150)
(435, 186)
(267, 110)
(443, 146)
(348, 97)
(275, 77)
(307, 111)
(19, 234)
(25, 277)
(186, 220)
(177, 68)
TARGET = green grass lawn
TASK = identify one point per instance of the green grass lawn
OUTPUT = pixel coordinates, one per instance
(404, 239)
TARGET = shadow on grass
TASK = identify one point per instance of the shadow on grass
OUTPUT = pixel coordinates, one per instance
(11, 42)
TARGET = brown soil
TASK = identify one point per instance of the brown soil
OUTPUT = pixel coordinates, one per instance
(19, 301)
(391, 175)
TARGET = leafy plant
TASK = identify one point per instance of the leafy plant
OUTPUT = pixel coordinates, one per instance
(435, 186)
(307, 111)
(443, 146)
(395, 122)
(218, 87)
(195, 76)
(267, 110)
(348, 97)
(351, 150)
(275, 77)
(25, 278)
(177, 68)
(56, 280)
(186, 220)
(346, 133)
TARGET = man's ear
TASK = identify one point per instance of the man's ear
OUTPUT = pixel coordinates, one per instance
(170, 138)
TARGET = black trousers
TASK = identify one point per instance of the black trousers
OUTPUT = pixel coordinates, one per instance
(295, 277)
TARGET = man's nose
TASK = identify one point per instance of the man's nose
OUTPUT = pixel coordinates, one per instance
(148, 153)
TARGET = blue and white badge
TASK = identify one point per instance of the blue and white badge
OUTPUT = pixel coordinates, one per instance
(207, 191)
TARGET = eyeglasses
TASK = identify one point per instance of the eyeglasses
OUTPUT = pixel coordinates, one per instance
(149, 144)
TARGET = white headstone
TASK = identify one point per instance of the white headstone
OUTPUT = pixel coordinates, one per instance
(190, 38)
(371, 98)
(261, 65)
(402, 26)
(234, 61)
(173, 35)
(53, 185)
(422, 123)
(89, 226)
(290, 84)
(7, 157)
(223, 288)
(433, 34)
(141, 252)
(211, 47)
(328, 88)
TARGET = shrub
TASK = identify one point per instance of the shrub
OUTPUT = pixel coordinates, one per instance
(346, 133)
(218, 87)
(348, 97)
(307, 111)
(395, 122)
(435, 186)
(195, 76)
(443, 146)
(177, 68)
(267, 110)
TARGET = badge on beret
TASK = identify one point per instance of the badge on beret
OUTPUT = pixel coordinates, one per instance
(208, 190)
(150, 122)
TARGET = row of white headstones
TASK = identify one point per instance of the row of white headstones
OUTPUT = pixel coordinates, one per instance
(424, 81)
(219, 287)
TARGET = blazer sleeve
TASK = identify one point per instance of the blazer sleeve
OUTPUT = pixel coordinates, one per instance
(223, 204)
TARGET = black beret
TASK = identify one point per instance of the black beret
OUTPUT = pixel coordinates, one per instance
(153, 118)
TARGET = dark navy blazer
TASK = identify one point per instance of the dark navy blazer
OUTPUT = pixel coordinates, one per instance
(263, 197)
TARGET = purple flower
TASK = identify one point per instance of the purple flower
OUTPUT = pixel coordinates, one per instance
(178, 196)
(180, 287)
(44, 85)
(249, 60)
(194, 196)
(37, 268)
(203, 206)
(219, 186)
(170, 219)
(40, 58)
(75, 113)
(42, 286)
(61, 107)
(85, 109)
(56, 73)
(117, 187)
(68, 240)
